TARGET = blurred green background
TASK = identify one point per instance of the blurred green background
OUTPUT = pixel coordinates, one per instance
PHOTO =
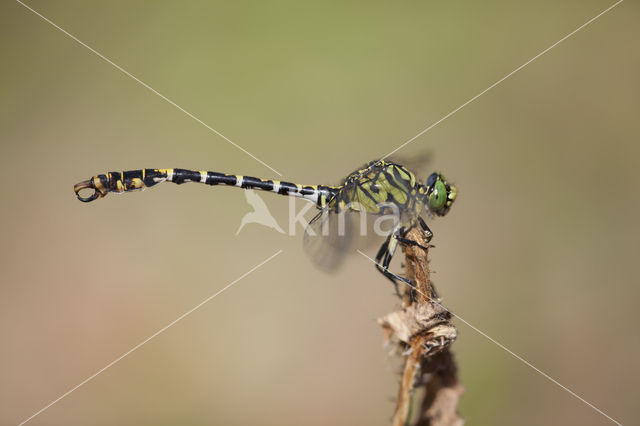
(540, 250)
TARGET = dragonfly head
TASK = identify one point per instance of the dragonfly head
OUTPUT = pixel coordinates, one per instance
(440, 194)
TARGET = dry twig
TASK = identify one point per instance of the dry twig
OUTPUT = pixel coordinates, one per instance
(422, 332)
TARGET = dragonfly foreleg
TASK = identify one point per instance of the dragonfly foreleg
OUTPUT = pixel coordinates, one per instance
(425, 228)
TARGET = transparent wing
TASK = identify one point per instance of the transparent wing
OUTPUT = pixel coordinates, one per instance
(328, 238)
(331, 237)
(418, 163)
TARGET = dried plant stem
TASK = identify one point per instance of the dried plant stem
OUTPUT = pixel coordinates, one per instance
(422, 332)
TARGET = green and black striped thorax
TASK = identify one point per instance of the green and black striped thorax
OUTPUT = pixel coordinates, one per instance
(381, 185)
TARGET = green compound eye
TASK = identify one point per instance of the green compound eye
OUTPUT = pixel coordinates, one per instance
(437, 197)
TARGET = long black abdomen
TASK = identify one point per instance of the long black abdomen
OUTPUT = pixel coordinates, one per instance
(144, 178)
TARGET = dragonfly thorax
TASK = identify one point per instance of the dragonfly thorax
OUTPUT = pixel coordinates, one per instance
(384, 187)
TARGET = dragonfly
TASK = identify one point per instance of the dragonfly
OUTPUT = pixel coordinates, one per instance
(379, 187)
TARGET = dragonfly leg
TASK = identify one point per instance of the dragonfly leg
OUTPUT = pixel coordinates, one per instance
(383, 253)
(383, 259)
(425, 228)
(413, 243)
